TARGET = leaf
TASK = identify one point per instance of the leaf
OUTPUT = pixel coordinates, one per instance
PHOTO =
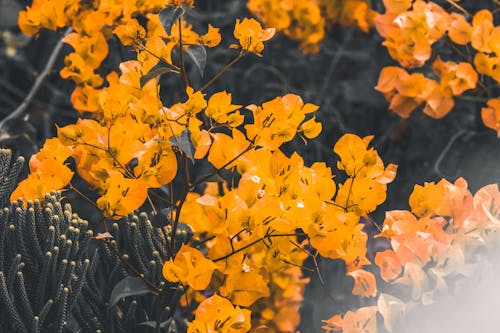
(129, 286)
(167, 323)
(199, 56)
(184, 143)
(162, 218)
(168, 16)
(154, 72)
(132, 164)
(211, 178)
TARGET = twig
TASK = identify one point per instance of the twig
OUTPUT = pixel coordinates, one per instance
(21, 109)
(181, 203)
(131, 267)
(460, 8)
(437, 165)
(329, 73)
(204, 178)
(224, 70)
(174, 68)
(317, 270)
(267, 236)
(181, 57)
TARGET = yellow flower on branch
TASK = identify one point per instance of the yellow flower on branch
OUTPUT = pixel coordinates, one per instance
(252, 36)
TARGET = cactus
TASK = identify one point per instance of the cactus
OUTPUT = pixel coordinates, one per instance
(43, 258)
(9, 171)
(43, 265)
(54, 277)
(143, 246)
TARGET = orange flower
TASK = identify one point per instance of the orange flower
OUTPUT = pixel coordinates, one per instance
(482, 30)
(222, 111)
(397, 6)
(217, 314)
(48, 176)
(251, 36)
(91, 48)
(212, 38)
(365, 284)
(491, 115)
(85, 99)
(130, 32)
(225, 148)
(363, 320)
(48, 172)
(122, 195)
(244, 288)
(189, 267)
(455, 77)
(487, 206)
(389, 265)
(460, 30)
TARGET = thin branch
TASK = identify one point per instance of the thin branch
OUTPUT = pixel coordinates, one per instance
(374, 223)
(224, 70)
(450, 43)
(204, 178)
(181, 56)
(174, 68)
(333, 203)
(21, 109)
(159, 197)
(265, 237)
(437, 165)
(86, 198)
(131, 267)
(203, 241)
(313, 257)
(460, 8)
(181, 203)
(331, 69)
(153, 208)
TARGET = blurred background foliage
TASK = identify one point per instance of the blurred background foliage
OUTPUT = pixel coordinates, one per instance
(339, 78)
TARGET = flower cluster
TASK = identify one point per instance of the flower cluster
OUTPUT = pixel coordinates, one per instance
(412, 31)
(307, 21)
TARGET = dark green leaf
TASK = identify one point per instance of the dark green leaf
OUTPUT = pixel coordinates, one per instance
(214, 177)
(168, 16)
(184, 143)
(199, 56)
(167, 323)
(162, 218)
(154, 72)
(132, 164)
(129, 286)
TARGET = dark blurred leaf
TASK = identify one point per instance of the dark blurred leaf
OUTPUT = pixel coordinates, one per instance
(184, 143)
(168, 16)
(162, 218)
(132, 164)
(214, 177)
(199, 56)
(9, 10)
(154, 72)
(129, 286)
(169, 323)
